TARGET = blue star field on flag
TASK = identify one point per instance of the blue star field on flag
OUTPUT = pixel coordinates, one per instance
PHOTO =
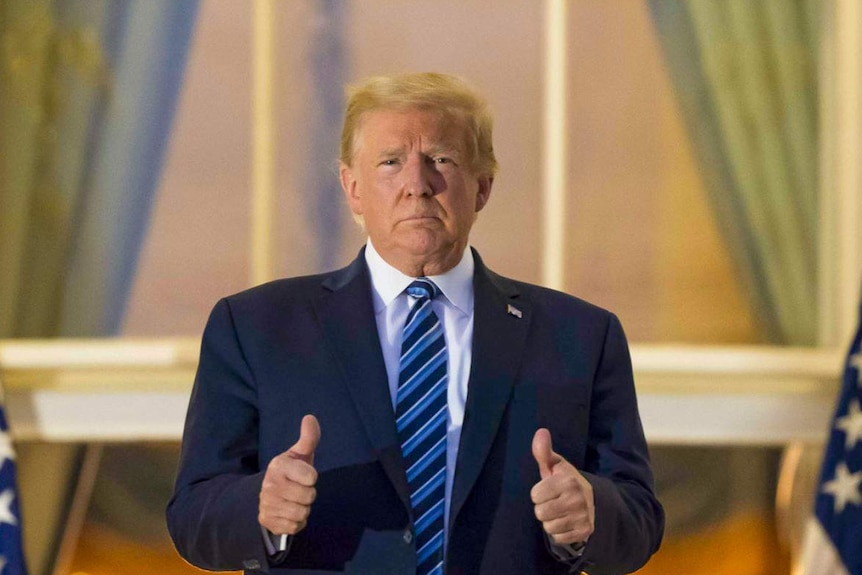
(839, 498)
(11, 551)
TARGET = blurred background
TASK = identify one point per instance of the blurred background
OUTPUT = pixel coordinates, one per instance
(703, 196)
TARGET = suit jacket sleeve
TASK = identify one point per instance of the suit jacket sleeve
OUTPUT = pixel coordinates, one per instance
(629, 519)
(213, 515)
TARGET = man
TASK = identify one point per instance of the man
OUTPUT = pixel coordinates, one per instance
(414, 412)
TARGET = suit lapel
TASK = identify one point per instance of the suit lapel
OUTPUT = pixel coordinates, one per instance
(499, 336)
(346, 314)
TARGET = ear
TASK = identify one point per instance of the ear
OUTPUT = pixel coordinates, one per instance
(484, 192)
(350, 187)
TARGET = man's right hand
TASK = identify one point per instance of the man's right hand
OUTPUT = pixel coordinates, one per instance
(288, 485)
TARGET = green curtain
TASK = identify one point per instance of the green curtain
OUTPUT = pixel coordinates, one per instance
(88, 90)
(36, 207)
(745, 75)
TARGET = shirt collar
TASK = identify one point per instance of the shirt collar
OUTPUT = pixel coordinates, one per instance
(388, 283)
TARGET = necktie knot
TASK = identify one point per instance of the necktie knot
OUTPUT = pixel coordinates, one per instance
(422, 288)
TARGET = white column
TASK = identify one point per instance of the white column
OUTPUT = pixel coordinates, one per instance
(263, 144)
(554, 153)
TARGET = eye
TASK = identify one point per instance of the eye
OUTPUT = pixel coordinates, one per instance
(389, 162)
(443, 160)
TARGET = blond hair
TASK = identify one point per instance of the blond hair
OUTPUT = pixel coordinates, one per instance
(445, 93)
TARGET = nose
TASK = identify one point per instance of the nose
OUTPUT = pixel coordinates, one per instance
(418, 177)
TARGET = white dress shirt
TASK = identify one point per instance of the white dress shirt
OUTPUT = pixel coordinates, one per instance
(455, 310)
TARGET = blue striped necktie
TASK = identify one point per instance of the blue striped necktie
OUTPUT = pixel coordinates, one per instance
(421, 417)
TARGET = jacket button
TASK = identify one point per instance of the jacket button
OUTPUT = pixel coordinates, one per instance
(408, 537)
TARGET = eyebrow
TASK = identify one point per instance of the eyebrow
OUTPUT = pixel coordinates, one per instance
(443, 149)
(437, 149)
(388, 152)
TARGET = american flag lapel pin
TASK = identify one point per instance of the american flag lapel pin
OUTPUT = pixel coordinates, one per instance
(512, 310)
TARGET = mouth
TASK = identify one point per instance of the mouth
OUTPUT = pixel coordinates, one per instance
(420, 218)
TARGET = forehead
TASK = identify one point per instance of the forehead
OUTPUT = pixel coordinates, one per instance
(410, 127)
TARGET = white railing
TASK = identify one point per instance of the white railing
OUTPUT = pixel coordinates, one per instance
(138, 390)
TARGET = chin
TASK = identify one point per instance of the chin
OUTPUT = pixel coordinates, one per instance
(424, 241)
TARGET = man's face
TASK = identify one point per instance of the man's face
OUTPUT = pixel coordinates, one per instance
(412, 182)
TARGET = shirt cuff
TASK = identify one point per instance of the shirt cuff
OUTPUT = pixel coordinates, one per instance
(565, 552)
(275, 544)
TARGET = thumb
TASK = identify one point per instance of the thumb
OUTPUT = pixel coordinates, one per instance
(309, 437)
(543, 452)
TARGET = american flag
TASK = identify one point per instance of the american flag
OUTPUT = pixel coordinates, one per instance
(11, 552)
(834, 540)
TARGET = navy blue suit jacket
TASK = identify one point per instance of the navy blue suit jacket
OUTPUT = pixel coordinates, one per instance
(276, 352)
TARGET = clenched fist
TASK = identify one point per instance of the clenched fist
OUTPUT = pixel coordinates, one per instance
(563, 498)
(288, 489)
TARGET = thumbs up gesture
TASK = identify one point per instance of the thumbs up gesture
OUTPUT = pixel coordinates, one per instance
(563, 498)
(288, 488)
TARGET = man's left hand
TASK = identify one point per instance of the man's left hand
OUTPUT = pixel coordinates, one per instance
(563, 498)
